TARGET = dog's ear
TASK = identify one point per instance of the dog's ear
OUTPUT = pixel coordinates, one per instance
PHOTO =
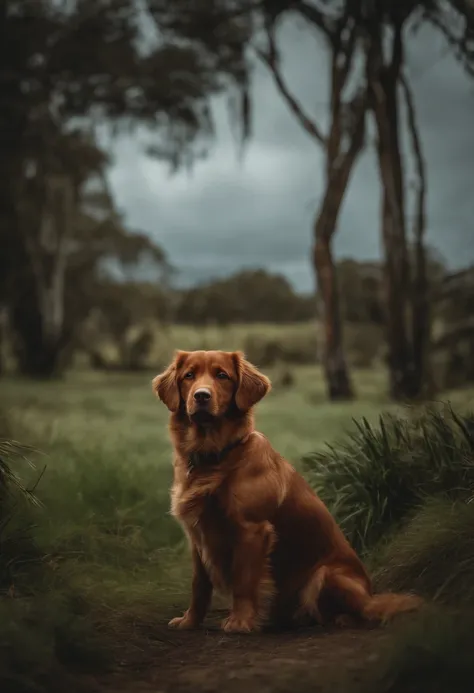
(252, 386)
(165, 385)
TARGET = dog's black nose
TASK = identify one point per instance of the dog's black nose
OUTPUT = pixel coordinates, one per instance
(202, 396)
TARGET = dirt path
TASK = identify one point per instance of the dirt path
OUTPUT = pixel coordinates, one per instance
(208, 661)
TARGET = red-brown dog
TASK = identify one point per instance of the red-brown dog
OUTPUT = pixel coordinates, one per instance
(255, 527)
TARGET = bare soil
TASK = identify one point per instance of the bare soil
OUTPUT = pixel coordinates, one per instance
(207, 661)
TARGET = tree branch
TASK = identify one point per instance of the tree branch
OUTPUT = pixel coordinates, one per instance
(271, 60)
(397, 49)
(319, 18)
(356, 134)
(458, 44)
(342, 59)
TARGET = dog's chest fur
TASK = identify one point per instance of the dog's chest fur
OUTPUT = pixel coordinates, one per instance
(198, 504)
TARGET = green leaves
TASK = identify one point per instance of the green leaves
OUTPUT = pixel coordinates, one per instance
(379, 476)
(11, 452)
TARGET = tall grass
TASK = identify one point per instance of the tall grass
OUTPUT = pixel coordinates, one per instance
(17, 547)
(429, 654)
(404, 494)
(378, 476)
(101, 564)
(44, 632)
(94, 572)
(434, 554)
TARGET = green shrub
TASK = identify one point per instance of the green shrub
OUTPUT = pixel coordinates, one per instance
(295, 348)
(17, 547)
(364, 344)
(44, 634)
(378, 477)
(283, 377)
(431, 651)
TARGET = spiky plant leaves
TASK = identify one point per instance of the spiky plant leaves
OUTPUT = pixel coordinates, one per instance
(11, 452)
(379, 476)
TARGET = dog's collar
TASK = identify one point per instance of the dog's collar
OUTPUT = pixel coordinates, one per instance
(199, 459)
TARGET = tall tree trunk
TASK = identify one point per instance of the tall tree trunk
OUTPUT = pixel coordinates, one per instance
(340, 161)
(396, 307)
(384, 82)
(38, 308)
(38, 354)
(421, 323)
(420, 301)
(342, 147)
(18, 286)
(338, 382)
(13, 124)
(339, 386)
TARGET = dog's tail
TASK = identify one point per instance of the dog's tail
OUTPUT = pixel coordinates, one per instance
(383, 607)
(354, 593)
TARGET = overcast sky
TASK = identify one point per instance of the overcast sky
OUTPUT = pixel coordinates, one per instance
(229, 214)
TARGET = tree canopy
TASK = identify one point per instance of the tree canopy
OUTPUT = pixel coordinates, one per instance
(67, 67)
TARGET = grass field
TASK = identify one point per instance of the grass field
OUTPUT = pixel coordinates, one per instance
(264, 344)
(115, 558)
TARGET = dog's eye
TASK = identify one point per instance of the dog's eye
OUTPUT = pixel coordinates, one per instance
(189, 375)
(222, 376)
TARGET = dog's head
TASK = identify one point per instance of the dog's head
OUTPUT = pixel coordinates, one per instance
(210, 384)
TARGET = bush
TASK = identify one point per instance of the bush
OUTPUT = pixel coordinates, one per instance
(364, 344)
(302, 346)
(432, 651)
(294, 348)
(283, 378)
(44, 634)
(17, 547)
(378, 477)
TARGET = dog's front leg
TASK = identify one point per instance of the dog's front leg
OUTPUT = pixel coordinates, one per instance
(249, 569)
(201, 593)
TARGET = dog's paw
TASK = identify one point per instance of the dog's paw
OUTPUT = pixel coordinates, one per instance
(238, 624)
(307, 617)
(344, 621)
(185, 622)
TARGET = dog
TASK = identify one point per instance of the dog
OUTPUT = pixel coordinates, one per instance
(257, 530)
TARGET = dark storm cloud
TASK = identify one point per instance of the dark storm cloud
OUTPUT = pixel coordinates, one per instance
(227, 215)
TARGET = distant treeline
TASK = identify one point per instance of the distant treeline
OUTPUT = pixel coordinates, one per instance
(261, 296)
(245, 297)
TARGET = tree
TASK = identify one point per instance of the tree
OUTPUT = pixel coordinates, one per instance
(49, 79)
(47, 230)
(223, 25)
(247, 296)
(73, 252)
(383, 78)
(378, 31)
(369, 27)
(124, 316)
(406, 288)
(342, 146)
(65, 64)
